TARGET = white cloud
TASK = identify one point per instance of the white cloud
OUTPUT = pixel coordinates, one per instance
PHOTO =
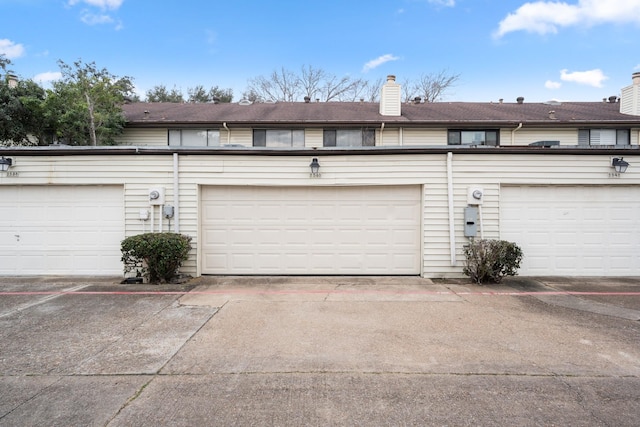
(589, 78)
(11, 49)
(447, 3)
(552, 85)
(49, 76)
(93, 19)
(375, 63)
(102, 4)
(545, 17)
(89, 17)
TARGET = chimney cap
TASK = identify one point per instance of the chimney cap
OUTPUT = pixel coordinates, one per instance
(391, 78)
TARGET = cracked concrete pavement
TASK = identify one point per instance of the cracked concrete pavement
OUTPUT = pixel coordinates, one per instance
(320, 351)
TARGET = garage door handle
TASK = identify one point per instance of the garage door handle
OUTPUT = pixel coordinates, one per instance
(17, 237)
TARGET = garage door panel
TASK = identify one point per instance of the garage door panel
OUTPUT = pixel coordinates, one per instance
(317, 230)
(61, 229)
(568, 230)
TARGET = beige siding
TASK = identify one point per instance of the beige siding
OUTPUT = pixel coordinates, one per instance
(242, 137)
(313, 138)
(388, 137)
(432, 137)
(526, 136)
(146, 137)
(138, 173)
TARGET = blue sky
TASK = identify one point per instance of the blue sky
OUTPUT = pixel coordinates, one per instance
(572, 50)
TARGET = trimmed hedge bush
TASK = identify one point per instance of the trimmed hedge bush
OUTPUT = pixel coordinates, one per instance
(491, 260)
(155, 256)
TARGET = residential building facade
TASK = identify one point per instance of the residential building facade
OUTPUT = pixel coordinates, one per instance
(391, 195)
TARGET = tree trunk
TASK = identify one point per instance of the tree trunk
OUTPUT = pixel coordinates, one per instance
(92, 122)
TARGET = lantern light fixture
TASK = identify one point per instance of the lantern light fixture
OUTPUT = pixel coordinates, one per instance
(315, 167)
(619, 164)
(5, 163)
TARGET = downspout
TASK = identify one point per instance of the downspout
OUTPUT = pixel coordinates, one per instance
(224, 125)
(381, 130)
(176, 195)
(513, 134)
(452, 228)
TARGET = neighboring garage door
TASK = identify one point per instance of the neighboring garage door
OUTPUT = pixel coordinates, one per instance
(574, 231)
(311, 230)
(53, 230)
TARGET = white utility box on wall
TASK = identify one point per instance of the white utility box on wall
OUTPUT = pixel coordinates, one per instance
(156, 196)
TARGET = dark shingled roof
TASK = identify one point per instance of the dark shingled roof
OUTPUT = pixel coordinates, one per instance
(449, 114)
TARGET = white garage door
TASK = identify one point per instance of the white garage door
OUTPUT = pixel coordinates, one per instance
(311, 230)
(53, 230)
(574, 231)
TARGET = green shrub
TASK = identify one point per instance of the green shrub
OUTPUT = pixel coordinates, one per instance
(491, 260)
(155, 256)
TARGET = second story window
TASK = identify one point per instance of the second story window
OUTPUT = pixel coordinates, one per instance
(473, 137)
(194, 137)
(349, 138)
(278, 138)
(603, 137)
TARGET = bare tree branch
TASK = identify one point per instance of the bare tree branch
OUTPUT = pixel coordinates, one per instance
(432, 86)
(316, 83)
(311, 80)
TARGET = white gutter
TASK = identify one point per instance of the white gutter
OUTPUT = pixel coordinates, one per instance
(513, 134)
(224, 125)
(452, 228)
(176, 194)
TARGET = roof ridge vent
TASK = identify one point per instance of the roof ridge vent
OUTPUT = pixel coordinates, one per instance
(245, 102)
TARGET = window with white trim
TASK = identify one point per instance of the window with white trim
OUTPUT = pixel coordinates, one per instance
(194, 137)
(603, 137)
(473, 137)
(276, 138)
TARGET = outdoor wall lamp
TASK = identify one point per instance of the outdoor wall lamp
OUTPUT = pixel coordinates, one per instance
(619, 164)
(5, 163)
(315, 167)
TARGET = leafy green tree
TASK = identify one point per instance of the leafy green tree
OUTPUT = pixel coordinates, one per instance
(86, 104)
(22, 116)
(4, 61)
(160, 93)
(215, 94)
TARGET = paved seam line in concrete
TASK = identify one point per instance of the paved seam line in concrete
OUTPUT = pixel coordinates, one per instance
(48, 296)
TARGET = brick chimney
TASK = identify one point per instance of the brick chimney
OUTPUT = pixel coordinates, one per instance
(390, 98)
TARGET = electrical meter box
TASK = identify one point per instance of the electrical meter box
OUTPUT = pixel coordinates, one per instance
(470, 221)
(475, 196)
(156, 196)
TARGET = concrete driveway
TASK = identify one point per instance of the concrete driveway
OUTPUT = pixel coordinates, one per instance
(320, 351)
